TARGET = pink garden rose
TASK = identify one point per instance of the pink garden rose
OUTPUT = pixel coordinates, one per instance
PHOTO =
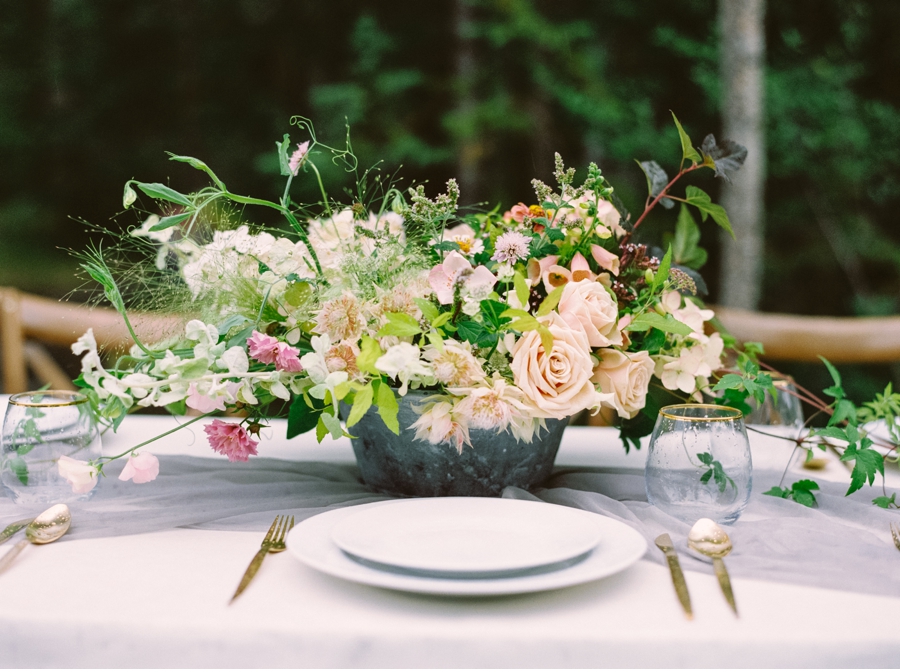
(231, 440)
(558, 382)
(586, 305)
(80, 475)
(627, 377)
(141, 468)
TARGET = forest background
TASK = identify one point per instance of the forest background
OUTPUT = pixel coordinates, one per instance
(94, 92)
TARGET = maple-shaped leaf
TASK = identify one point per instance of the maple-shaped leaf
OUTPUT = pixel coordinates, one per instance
(726, 156)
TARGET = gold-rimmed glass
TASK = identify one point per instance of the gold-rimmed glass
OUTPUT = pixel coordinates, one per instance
(38, 429)
(699, 463)
(784, 409)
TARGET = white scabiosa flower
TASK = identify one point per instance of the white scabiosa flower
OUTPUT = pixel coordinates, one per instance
(454, 364)
(510, 247)
(341, 318)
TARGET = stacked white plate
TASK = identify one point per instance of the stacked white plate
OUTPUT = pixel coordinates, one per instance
(465, 545)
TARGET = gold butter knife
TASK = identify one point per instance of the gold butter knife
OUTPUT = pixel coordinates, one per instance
(664, 543)
(12, 528)
(273, 543)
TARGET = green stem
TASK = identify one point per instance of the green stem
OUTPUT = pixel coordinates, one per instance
(104, 460)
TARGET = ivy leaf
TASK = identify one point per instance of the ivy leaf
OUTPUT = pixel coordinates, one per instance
(301, 418)
(685, 245)
(726, 156)
(667, 324)
(657, 179)
(687, 150)
(163, 193)
(700, 200)
(388, 407)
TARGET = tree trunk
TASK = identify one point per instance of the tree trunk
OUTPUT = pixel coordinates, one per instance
(742, 61)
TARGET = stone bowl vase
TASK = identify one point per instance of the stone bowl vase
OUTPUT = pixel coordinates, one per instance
(402, 465)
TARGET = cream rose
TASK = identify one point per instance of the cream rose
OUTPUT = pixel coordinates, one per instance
(626, 377)
(586, 305)
(558, 383)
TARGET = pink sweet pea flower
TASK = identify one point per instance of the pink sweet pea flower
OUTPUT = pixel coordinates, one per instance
(443, 277)
(605, 259)
(203, 403)
(298, 157)
(141, 468)
(80, 475)
(230, 440)
(262, 347)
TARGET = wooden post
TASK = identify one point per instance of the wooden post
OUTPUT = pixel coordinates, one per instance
(15, 374)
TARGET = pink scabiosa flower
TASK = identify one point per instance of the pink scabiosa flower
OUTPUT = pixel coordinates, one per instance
(298, 157)
(230, 440)
(510, 247)
(140, 468)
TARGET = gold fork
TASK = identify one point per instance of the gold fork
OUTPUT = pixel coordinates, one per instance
(895, 533)
(273, 543)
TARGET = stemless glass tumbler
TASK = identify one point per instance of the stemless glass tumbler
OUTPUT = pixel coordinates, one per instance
(39, 428)
(784, 409)
(699, 464)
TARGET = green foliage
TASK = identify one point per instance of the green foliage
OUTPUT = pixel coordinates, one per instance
(301, 417)
(800, 492)
(715, 472)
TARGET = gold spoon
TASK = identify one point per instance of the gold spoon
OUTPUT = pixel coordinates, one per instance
(709, 539)
(49, 526)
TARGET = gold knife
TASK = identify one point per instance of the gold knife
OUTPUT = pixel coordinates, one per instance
(664, 543)
(12, 528)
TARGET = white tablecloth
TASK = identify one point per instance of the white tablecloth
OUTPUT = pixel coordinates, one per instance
(161, 600)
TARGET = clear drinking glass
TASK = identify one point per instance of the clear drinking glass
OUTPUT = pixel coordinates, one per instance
(783, 410)
(39, 428)
(699, 464)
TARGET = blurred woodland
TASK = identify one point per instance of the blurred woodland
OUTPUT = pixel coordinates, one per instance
(94, 92)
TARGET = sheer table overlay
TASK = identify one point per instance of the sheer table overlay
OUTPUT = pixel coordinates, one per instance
(143, 578)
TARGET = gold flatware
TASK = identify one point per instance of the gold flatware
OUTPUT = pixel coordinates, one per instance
(12, 528)
(273, 543)
(49, 526)
(709, 539)
(664, 543)
(895, 533)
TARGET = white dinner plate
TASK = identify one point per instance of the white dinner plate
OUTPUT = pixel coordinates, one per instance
(311, 542)
(466, 535)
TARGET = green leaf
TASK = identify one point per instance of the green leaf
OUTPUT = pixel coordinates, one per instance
(730, 381)
(388, 407)
(362, 401)
(20, 469)
(429, 310)
(867, 463)
(700, 200)
(726, 156)
(170, 221)
(284, 151)
(706, 476)
(546, 338)
(163, 193)
(686, 250)
(829, 433)
(129, 196)
(687, 150)
(301, 418)
(662, 273)
(778, 492)
(705, 458)
(522, 290)
(667, 324)
(400, 324)
(493, 313)
(442, 319)
(332, 424)
(843, 410)
(199, 165)
(657, 180)
(523, 324)
(836, 391)
(885, 502)
(321, 429)
(551, 301)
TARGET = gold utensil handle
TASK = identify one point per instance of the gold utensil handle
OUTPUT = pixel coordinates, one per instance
(725, 582)
(251, 572)
(11, 554)
(12, 528)
(680, 584)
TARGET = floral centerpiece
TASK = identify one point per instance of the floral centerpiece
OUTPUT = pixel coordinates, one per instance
(505, 319)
